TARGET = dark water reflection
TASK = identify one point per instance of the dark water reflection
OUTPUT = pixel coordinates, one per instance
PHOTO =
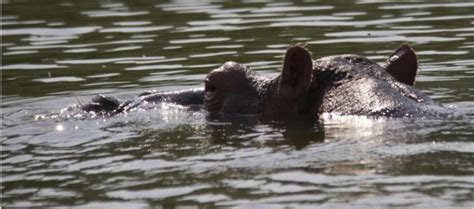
(56, 52)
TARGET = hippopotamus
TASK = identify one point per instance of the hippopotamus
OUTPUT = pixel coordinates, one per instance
(343, 84)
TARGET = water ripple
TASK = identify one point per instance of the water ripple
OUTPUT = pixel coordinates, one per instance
(141, 29)
(107, 13)
(131, 41)
(31, 66)
(426, 6)
(49, 31)
(199, 40)
(110, 60)
(155, 194)
(59, 54)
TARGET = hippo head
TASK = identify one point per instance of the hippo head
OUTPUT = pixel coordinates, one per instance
(234, 88)
(355, 85)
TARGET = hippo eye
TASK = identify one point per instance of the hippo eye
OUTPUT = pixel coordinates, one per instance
(209, 87)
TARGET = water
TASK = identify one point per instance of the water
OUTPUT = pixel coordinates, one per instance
(57, 52)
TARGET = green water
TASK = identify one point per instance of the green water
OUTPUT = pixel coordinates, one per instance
(57, 52)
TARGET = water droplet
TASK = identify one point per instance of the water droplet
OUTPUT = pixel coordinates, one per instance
(59, 127)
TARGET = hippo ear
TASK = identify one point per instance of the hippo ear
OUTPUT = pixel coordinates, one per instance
(297, 66)
(403, 64)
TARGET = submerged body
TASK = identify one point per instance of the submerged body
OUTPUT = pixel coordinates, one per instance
(108, 106)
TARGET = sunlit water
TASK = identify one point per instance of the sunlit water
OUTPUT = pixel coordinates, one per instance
(55, 53)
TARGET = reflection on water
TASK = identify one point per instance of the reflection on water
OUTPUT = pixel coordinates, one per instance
(56, 53)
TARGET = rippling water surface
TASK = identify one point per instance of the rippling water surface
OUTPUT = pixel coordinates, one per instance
(57, 52)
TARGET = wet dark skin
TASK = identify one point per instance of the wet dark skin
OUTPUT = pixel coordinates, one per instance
(343, 84)
(355, 85)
